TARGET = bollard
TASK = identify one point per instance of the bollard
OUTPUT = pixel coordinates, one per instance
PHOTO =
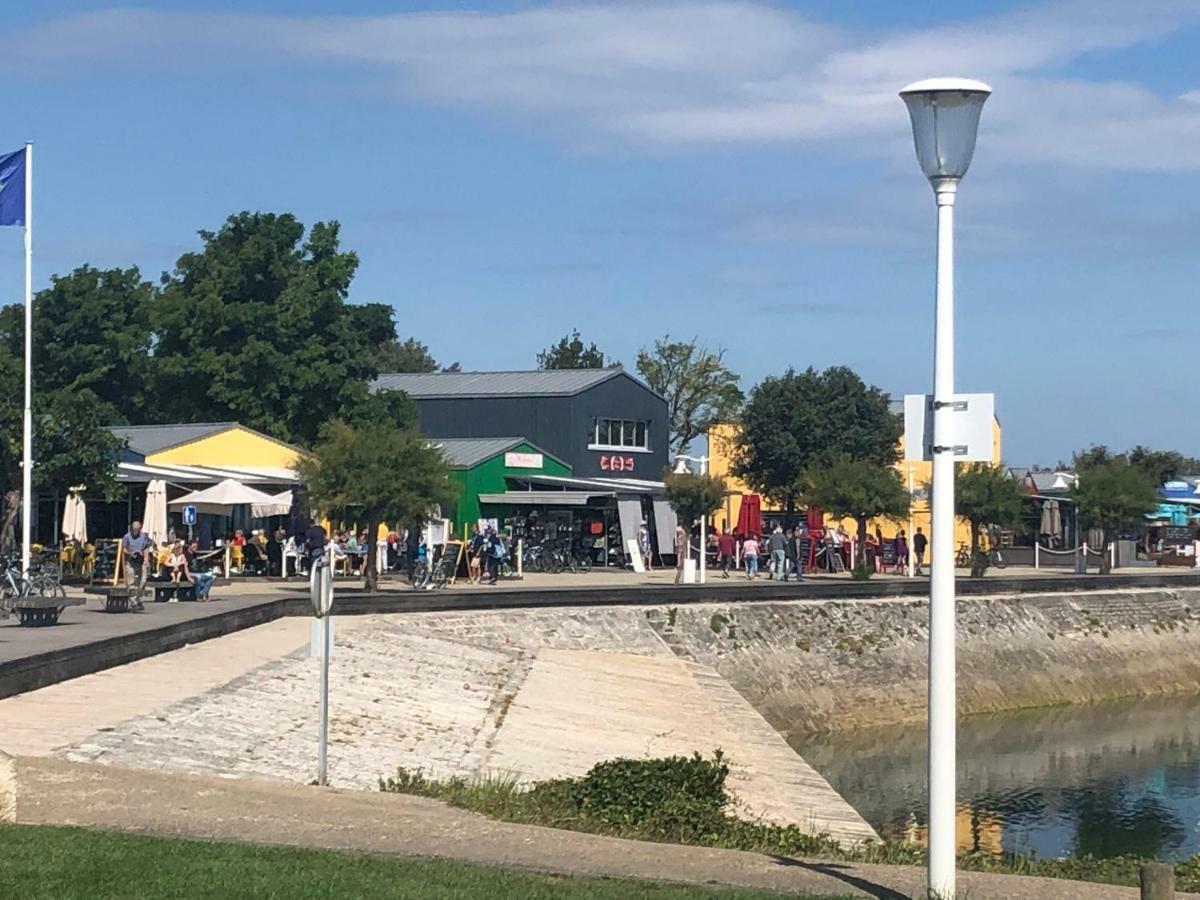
(1158, 881)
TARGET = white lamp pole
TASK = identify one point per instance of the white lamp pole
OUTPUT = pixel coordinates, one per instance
(681, 468)
(945, 119)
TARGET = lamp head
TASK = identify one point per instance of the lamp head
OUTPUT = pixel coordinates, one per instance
(945, 119)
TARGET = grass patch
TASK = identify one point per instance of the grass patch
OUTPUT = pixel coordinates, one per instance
(683, 800)
(49, 863)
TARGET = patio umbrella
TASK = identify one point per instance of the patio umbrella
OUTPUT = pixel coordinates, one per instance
(154, 521)
(74, 520)
(749, 516)
(280, 505)
(221, 498)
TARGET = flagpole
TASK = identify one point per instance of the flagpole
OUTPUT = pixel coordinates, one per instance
(27, 449)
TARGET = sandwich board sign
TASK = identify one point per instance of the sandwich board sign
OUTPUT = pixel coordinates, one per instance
(972, 416)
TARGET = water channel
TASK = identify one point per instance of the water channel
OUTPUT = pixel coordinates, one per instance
(1101, 779)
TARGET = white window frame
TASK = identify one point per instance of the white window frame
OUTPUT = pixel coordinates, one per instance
(620, 446)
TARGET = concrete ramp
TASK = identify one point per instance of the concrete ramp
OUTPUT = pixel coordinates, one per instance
(577, 708)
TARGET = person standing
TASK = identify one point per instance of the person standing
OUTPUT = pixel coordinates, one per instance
(919, 542)
(475, 556)
(901, 551)
(314, 543)
(778, 547)
(725, 551)
(750, 554)
(681, 546)
(791, 555)
(643, 539)
(496, 552)
(136, 551)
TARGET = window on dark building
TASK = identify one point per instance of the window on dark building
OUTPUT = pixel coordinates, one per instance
(621, 434)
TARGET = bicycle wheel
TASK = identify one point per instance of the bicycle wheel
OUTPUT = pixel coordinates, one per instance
(998, 560)
(420, 575)
(555, 562)
(583, 562)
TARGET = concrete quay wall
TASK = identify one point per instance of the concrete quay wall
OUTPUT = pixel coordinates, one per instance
(823, 666)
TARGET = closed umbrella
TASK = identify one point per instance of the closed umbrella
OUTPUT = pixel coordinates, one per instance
(154, 521)
(74, 520)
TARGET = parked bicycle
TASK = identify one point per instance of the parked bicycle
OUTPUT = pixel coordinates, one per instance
(427, 577)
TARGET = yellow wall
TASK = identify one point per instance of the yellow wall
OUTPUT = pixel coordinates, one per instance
(723, 438)
(236, 446)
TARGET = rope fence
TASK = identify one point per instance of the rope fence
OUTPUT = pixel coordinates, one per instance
(1038, 550)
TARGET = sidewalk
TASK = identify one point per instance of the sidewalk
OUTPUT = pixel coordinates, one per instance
(54, 792)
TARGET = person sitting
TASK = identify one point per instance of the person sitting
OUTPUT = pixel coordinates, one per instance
(200, 571)
(239, 538)
(177, 563)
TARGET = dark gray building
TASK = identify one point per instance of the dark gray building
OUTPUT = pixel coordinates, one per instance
(604, 423)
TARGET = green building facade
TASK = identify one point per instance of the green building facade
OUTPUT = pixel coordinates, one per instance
(483, 466)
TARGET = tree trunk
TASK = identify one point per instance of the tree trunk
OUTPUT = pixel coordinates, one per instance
(8, 533)
(978, 560)
(371, 576)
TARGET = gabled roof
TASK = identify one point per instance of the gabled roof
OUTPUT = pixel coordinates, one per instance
(463, 453)
(147, 439)
(537, 383)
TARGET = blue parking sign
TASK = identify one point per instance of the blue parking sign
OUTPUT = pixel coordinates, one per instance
(189, 515)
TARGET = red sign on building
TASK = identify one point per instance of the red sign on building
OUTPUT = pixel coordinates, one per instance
(616, 463)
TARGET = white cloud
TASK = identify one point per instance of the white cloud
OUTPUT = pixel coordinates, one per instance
(691, 73)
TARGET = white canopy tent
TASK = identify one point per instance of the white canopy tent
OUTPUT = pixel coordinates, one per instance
(74, 521)
(221, 498)
(154, 521)
(280, 505)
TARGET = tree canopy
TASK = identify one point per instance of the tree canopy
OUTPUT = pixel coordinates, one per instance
(987, 495)
(699, 388)
(694, 497)
(376, 472)
(572, 353)
(858, 489)
(1115, 497)
(1160, 465)
(254, 328)
(803, 421)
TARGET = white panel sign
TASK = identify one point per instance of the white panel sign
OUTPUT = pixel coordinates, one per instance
(523, 460)
(973, 416)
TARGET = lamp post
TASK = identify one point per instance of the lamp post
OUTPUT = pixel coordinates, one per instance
(682, 468)
(945, 119)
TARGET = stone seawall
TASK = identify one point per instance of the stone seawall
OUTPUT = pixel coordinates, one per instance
(822, 666)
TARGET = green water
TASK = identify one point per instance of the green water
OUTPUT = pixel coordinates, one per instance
(1103, 779)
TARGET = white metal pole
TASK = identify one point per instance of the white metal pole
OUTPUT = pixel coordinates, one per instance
(324, 576)
(703, 530)
(27, 431)
(942, 699)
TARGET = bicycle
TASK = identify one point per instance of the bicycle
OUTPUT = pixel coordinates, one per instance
(962, 558)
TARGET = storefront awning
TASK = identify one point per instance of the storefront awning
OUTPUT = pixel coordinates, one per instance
(544, 498)
(135, 473)
(610, 485)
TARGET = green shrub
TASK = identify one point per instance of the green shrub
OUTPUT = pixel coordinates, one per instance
(863, 569)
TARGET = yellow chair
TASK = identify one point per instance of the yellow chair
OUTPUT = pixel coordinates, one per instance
(237, 558)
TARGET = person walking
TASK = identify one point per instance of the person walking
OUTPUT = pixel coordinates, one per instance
(681, 546)
(726, 550)
(475, 556)
(136, 552)
(314, 543)
(750, 554)
(778, 548)
(643, 539)
(496, 551)
(919, 543)
(790, 555)
(901, 552)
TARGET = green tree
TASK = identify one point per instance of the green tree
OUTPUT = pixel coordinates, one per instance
(92, 338)
(699, 388)
(254, 328)
(693, 497)
(572, 353)
(378, 473)
(858, 489)
(1115, 497)
(987, 495)
(71, 446)
(804, 421)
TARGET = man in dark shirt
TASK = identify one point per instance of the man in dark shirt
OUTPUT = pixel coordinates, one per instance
(314, 541)
(919, 544)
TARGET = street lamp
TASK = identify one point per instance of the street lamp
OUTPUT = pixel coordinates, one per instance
(945, 119)
(682, 468)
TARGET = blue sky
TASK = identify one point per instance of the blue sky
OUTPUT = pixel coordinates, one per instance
(738, 171)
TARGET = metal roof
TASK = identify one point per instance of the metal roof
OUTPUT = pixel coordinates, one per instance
(147, 439)
(537, 383)
(463, 453)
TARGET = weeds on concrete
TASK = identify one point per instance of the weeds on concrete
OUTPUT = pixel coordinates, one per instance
(683, 800)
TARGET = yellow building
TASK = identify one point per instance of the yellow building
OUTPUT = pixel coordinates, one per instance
(226, 446)
(915, 474)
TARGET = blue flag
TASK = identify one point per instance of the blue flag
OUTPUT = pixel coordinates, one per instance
(12, 188)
